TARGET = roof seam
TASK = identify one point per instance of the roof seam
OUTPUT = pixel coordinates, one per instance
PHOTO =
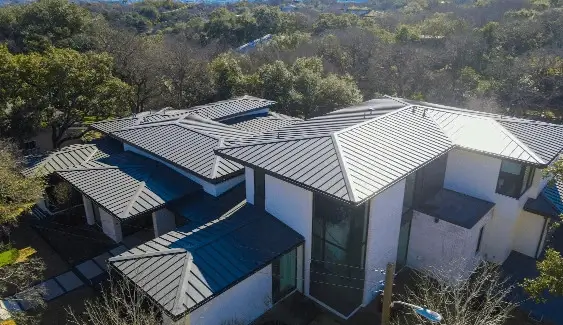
(144, 255)
(216, 162)
(182, 290)
(133, 199)
(343, 167)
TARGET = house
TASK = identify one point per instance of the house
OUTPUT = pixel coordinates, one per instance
(274, 204)
(245, 48)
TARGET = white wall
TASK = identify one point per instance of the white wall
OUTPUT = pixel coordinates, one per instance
(249, 178)
(210, 188)
(384, 226)
(88, 209)
(246, 301)
(293, 206)
(477, 175)
(528, 231)
(442, 246)
(110, 226)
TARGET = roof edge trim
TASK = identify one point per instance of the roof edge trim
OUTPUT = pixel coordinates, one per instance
(343, 167)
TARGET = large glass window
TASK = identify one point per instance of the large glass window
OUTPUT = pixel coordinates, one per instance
(284, 275)
(514, 178)
(338, 253)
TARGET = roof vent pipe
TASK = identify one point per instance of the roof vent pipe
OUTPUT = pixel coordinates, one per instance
(424, 112)
(414, 109)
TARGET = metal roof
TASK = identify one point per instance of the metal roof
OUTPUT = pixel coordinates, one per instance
(331, 122)
(543, 140)
(456, 208)
(354, 163)
(271, 122)
(72, 156)
(185, 268)
(128, 185)
(188, 143)
(482, 134)
(218, 111)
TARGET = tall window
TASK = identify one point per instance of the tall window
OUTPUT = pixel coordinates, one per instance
(514, 178)
(338, 253)
(259, 189)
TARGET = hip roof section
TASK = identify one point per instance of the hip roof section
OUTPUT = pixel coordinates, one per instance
(128, 185)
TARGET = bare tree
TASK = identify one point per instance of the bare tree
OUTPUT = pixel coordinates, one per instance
(120, 303)
(482, 298)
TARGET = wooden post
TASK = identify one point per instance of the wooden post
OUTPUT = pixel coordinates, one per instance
(388, 294)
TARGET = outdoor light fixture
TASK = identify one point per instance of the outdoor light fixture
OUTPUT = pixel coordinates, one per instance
(431, 315)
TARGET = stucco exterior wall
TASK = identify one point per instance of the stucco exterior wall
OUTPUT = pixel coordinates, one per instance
(477, 175)
(293, 206)
(249, 179)
(440, 246)
(163, 221)
(528, 231)
(213, 189)
(110, 226)
(384, 226)
(244, 302)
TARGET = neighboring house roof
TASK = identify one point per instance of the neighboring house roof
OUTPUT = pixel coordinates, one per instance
(549, 202)
(271, 122)
(185, 268)
(127, 185)
(353, 163)
(221, 110)
(72, 156)
(188, 143)
(456, 208)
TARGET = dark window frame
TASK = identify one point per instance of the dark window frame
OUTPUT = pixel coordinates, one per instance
(520, 182)
(278, 294)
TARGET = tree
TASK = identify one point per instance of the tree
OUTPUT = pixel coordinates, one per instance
(38, 25)
(550, 268)
(17, 195)
(482, 298)
(120, 303)
(58, 89)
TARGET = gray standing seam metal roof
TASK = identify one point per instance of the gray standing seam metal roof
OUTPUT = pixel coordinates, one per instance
(188, 143)
(221, 110)
(456, 208)
(72, 156)
(271, 122)
(127, 185)
(544, 139)
(352, 164)
(185, 268)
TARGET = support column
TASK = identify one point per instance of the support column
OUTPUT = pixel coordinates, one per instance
(163, 221)
(111, 226)
(88, 209)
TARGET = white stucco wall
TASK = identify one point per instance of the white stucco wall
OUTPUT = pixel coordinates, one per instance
(477, 175)
(245, 302)
(213, 189)
(528, 231)
(111, 226)
(293, 206)
(249, 179)
(384, 226)
(442, 246)
(88, 210)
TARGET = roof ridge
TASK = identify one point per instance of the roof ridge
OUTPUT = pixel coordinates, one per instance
(149, 254)
(182, 289)
(142, 184)
(520, 120)
(216, 162)
(376, 118)
(398, 100)
(343, 167)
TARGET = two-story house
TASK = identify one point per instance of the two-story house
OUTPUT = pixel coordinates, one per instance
(321, 205)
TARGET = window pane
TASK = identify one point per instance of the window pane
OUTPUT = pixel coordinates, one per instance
(511, 177)
(510, 167)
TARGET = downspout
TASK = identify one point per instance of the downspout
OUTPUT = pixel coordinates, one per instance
(544, 231)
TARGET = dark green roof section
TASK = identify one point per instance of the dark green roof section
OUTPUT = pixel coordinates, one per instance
(549, 202)
(184, 269)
